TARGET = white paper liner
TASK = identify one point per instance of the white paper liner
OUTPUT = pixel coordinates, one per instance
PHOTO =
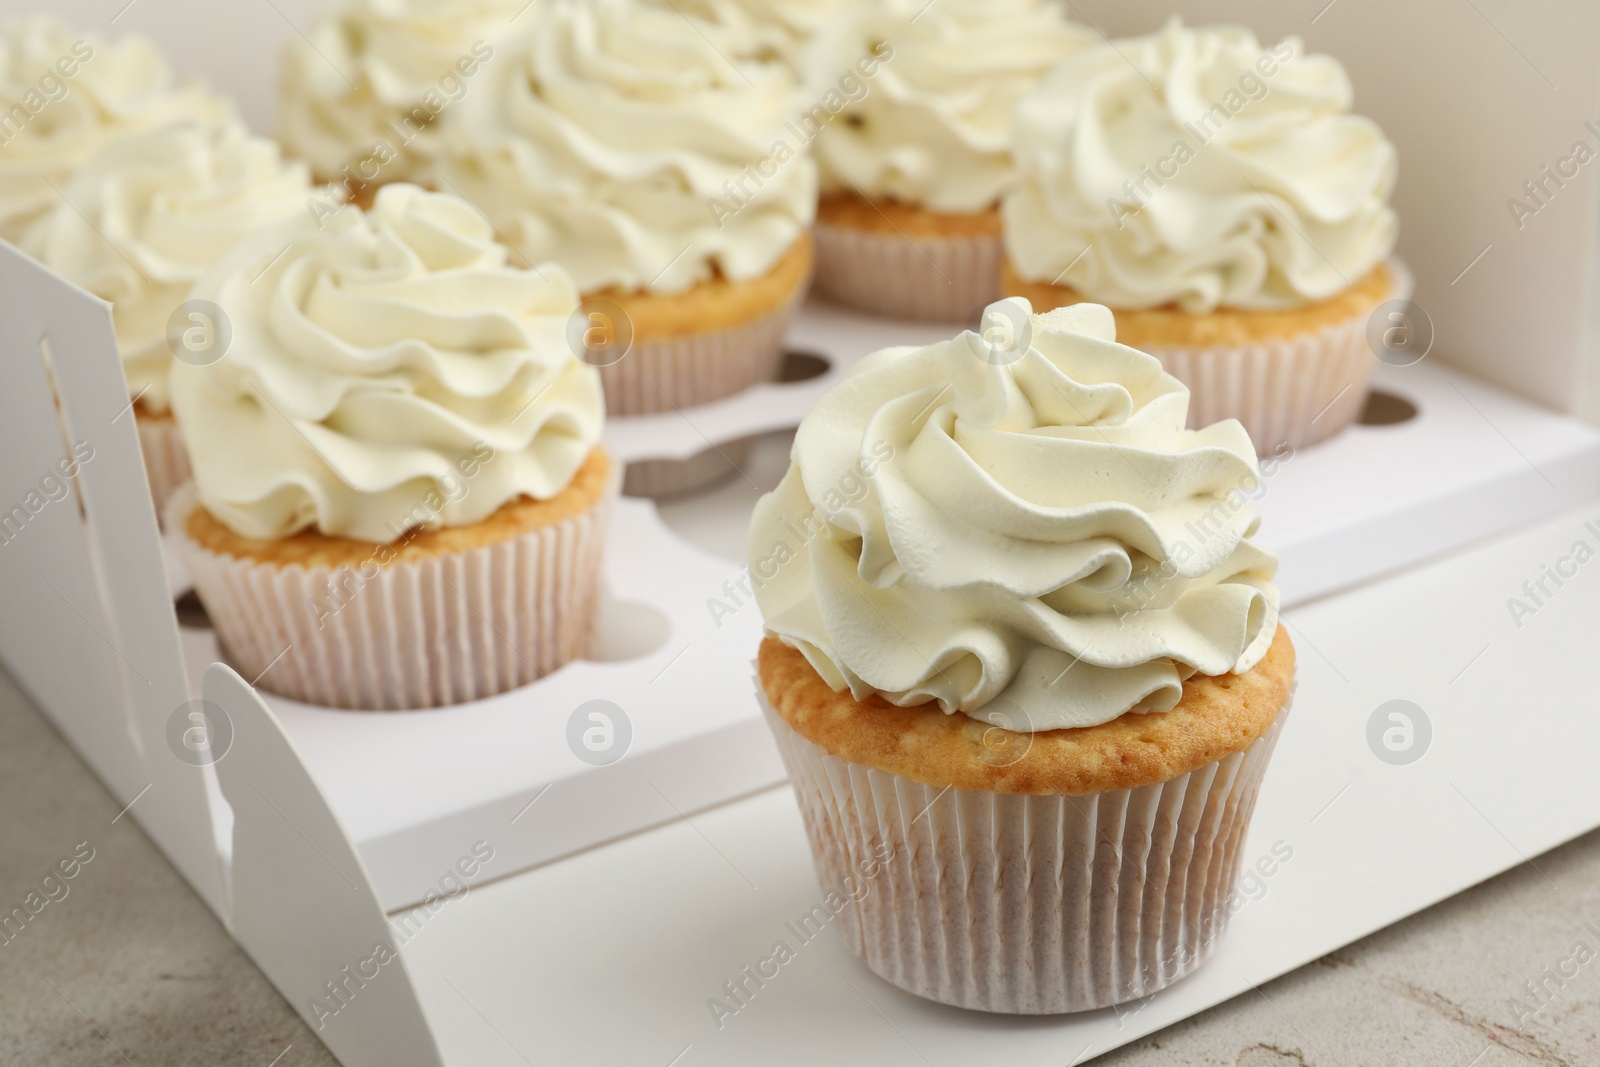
(1295, 391)
(940, 279)
(414, 634)
(166, 460)
(662, 478)
(1029, 904)
(680, 372)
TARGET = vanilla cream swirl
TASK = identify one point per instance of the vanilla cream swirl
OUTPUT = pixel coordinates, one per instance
(935, 127)
(638, 147)
(147, 213)
(1195, 167)
(1018, 528)
(386, 371)
(382, 72)
(776, 29)
(64, 95)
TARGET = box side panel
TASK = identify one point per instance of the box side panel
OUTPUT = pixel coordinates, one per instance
(91, 631)
(303, 906)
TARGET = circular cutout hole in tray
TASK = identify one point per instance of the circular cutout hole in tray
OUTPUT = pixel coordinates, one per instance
(800, 365)
(191, 613)
(1386, 409)
(629, 630)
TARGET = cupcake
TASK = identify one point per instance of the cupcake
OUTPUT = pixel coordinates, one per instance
(137, 224)
(362, 93)
(633, 146)
(399, 500)
(1022, 650)
(914, 166)
(64, 95)
(1220, 198)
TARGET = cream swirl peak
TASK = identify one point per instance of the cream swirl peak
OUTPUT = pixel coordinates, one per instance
(362, 94)
(935, 130)
(385, 371)
(1019, 528)
(607, 136)
(147, 213)
(1195, 167)
(64, 95)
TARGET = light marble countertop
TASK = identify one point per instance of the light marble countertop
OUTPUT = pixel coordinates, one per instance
(129, 967)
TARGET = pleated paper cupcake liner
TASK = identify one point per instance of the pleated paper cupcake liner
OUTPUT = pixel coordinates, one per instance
(412, 634)
(663, 478)
(939, 279)
(1295, 391)
(1029, 904)
(166, 460)
(680, 372)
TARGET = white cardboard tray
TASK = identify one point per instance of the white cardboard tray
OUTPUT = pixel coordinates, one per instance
(92, 636)
(612, 956)
(1473, 462)
(650, 928)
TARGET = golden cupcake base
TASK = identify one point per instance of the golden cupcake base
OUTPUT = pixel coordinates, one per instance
(439, 617)
(892, 259)
(166, 460)
(713, 341)
(1292, 378)
(1029, 874)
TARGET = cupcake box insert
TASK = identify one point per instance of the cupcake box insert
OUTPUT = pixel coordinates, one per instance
(334, 820)
(680, 625)
(322, 823)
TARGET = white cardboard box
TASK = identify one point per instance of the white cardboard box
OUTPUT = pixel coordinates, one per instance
(323, 833)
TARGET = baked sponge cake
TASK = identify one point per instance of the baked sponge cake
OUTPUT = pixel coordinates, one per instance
(1023, 651)
(400, 499)
(1221, 197)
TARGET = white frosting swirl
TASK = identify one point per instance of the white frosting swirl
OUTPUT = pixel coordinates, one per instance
(150, 211)
(385, 371)
(1195, 167)
(771, 29)
(64, 95)
(1029, 536)
(934, 128)
(635, 146)
(375, 72)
